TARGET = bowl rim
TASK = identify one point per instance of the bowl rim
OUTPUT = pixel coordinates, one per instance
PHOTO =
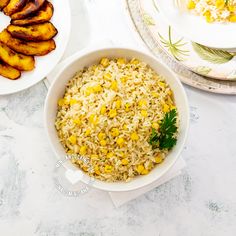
(110, 186)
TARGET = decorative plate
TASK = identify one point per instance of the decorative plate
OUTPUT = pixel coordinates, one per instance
(203, 60)
(145, 21)
(196, 28)
(44, 65)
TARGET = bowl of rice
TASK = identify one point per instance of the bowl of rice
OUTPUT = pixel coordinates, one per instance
(211, 23)
(120, 115)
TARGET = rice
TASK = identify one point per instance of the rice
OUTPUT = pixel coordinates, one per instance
(214, 10)
(107, 115)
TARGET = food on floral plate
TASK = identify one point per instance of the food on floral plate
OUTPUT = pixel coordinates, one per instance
(39, 32)
(27, 48)
(211, 23)
(43, 15)
(30, 8)
(119, 115)
(214, 10)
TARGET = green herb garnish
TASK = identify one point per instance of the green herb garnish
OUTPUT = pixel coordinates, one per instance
(166, 137)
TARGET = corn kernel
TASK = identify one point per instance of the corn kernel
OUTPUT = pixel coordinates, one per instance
(73, 101)
(127, 107)
(232, 8)
(142, 103)
(155, 125)
(87, 132)
(124, 162)
(103, 109)
(118, 104)
(77, 121)
(191, 5)
(220, 4)
(72, 139)
(104, 151)
(103, 142)
(60, 102)
(120, 141)
(104, 62)
(134, 137)
(134, 61)
(101, 136)
(88, 91)
(122, 154)
(123, 79)
(166, 108)
(108, 169)
(93, 119)
(232, 18)
(121, 61)
(115, 132)
(144, 113)
(114, 85)
(125, 127)
(112, 113)
(96, 169)
(169, 92)
(159, 159)
(161, 84)
(145, 172)
(110, 155)
(107, 76)
(83, 150)
(140, 169)
(172, 107)
(97, 88)
(155, 95)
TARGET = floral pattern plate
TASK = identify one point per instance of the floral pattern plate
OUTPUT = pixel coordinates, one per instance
(203, 60)
(146, 21)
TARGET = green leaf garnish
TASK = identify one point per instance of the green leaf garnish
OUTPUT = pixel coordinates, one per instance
(166, 137)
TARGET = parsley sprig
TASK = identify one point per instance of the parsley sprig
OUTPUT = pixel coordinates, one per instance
(166, 137)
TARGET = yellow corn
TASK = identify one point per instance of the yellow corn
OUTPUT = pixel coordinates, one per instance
(127, 107)
(73, 101)
(134, 136)
(103, 110)
(144, 113)
(115, 132)
(103, 142)
(125, 127)
(232, 18)
(124, 162)
(88, 91)
(121, 61)
(107, 76)
(87, 132)
(220, 4)
(166, 108)
(110, 155)
(83, 150)
(114, 85)
(161, 84)
(101, 136)
(104, 62)
(108, 169)
(123, 79)
(191, 5)
(72, 139)
(77, 121)
(159, 159)
(94, 157)
(142, 103)
(140, 169)
(60, 102)
(118, 104)
(97, 88)
(120, 141)
(145, 172)
(155, 95)
(104, 151)
(112, 113)
(155, 125)
(134, 61)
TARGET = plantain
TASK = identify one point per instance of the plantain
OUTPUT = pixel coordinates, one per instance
(39, 32)
(30, 8)
(18, 61)
(8, 71)
(43, 15)
(3, 3)
(14, 6)
(40, 48)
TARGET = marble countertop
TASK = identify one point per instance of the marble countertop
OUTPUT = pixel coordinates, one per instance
(202, 201)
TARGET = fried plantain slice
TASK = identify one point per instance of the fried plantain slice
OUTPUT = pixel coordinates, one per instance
(16, 60)
(27, 48)
(39, 32)
(31, 7)
(14, 6)
(8, 71)
(44, 14)
(3, 3)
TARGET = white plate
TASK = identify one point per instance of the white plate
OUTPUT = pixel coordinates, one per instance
(44, 65)
(216, 35)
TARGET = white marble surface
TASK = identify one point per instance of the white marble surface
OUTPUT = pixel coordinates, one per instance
(202, 201)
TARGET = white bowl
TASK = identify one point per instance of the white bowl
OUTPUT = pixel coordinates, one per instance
(195, 28)
(57, 90)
